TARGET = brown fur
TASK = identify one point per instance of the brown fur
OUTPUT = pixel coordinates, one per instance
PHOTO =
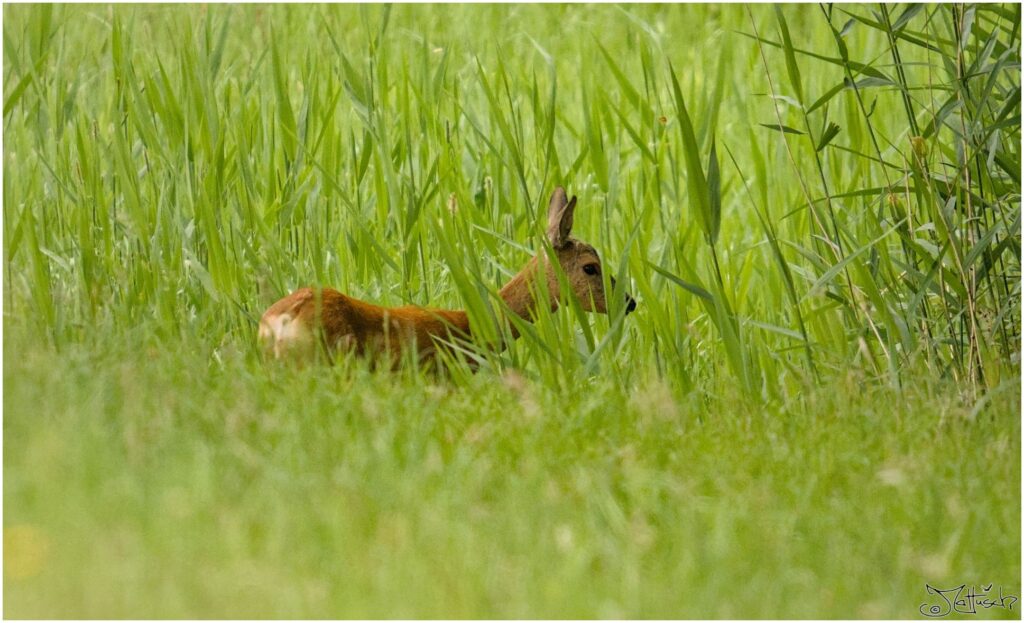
(292, 326)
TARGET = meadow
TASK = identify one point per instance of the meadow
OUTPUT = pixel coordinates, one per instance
(813, 412)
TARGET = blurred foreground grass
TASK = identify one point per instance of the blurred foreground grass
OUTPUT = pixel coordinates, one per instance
(154, 484)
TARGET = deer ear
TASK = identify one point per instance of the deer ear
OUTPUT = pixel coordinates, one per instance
(560, 213)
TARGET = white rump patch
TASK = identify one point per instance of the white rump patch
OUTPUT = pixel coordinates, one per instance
(284, 337)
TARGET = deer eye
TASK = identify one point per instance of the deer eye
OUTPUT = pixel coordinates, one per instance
(590, 269)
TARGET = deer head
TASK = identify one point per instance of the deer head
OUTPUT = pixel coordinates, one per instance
(578, 261)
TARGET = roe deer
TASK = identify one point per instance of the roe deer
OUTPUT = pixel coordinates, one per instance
(293, 325)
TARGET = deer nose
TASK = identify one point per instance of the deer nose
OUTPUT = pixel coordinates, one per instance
(630, 301)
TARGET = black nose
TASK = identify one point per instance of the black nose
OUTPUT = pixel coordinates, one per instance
(630, 304)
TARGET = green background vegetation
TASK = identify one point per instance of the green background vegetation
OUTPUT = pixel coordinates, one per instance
(813, 412)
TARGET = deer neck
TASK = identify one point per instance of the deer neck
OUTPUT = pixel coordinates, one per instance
(519, 295)
(520, 292)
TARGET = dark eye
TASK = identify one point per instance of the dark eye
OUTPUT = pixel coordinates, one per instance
(590, 269)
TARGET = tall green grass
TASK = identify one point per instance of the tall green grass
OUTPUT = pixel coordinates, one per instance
(184, 167)
(800, 197)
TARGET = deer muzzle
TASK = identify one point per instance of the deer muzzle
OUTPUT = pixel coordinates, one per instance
(630, 301)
